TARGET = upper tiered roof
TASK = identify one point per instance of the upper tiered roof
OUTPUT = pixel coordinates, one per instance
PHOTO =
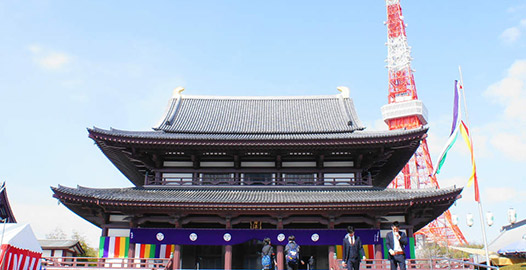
(260, 116)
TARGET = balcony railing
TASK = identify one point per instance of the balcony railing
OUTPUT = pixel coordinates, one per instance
(274, 181)
(58, 263)
(51, 263)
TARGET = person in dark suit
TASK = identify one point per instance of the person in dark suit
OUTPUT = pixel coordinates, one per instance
(352, 250)
(396, 242)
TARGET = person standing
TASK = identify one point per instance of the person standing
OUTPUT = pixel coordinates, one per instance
(292, 254)
(311, 263)
(268, 257)
(396, 242)
(352, 250)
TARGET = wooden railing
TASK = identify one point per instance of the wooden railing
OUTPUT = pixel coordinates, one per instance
(54, 263)
(231, 181)
(51, 263)
(425, 264)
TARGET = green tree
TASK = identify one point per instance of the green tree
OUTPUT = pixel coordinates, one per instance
(430, 250)
(88, 251)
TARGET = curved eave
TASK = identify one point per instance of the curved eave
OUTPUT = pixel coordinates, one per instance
(154, 138)
(81, 202)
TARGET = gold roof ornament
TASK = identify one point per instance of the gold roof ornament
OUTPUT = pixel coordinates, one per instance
(345, 92)
(177, 92)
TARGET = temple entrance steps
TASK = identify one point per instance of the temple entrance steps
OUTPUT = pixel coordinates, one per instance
(83, 263)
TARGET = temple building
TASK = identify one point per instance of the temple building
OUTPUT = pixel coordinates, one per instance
(218, 174)
(6, 214)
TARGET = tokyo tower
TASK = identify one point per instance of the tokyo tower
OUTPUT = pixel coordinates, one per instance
(404, 110)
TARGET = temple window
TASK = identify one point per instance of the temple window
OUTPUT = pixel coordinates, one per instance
(216, 178)
(258, 178)
(177, 179)
(299, 178)
(339, 179)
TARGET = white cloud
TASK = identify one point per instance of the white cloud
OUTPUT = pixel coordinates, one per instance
(49, 60)
(54, 61)
(510, 92)
(34, 49)
(517, 9)
(500, 194)
(510, 35)
(513, 33)
(512, 145)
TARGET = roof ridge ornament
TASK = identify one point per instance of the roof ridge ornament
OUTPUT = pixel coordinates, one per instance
(177, 92)
(345, 92)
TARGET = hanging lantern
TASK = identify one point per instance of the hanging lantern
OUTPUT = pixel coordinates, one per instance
(469, 219)
(512, 215)
(454, 219)
(490, 218)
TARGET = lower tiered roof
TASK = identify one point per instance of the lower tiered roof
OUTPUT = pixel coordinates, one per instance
(419, 206)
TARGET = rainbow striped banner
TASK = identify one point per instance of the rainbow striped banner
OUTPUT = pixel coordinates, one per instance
(145, 250)
(114, 247)
(368, 249)
(117, 247)
(153, 251)
(164, 251)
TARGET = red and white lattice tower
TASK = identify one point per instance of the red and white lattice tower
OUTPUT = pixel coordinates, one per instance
(404, 110)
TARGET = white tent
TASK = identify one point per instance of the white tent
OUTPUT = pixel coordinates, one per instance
(19, 247)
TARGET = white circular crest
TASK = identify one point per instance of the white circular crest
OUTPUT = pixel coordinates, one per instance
(281, 237)
(160, 236)
(315, 237)
(193, 236)
(227, 237)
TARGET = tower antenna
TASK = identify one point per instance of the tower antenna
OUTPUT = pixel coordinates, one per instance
(405, 111)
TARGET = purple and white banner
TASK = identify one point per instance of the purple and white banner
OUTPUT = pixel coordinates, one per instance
(222, 237)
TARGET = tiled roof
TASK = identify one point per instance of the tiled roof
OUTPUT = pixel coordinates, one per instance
(249, 195)
(57, 243)
(260, 115)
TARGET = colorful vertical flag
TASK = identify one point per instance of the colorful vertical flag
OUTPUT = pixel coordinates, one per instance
(114, 247)
(454, 130)
(459, 126)
(473, 179)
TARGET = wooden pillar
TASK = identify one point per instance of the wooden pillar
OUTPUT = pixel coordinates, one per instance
(228, 249)
(332, 261)
(158, 178)
(332, 253)
(176, 260)
(280, 257)
(378, 248)
(378, 251)
(228, 257)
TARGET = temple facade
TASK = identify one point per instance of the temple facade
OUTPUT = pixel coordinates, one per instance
(216, 175)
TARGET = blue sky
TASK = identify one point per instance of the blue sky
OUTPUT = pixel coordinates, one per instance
(66, 66)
